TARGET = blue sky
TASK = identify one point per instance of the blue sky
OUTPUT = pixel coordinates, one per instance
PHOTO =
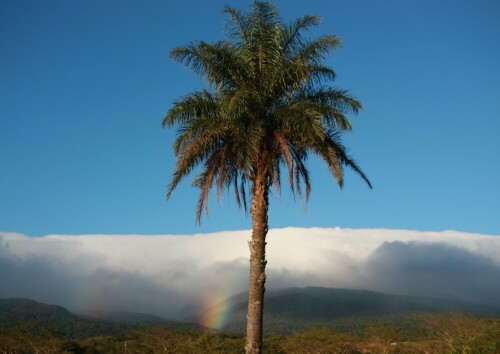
(84, 86)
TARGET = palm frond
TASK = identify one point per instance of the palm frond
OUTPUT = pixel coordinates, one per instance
(268, 105)
(317, 50)
(291, 34)
(237, 26)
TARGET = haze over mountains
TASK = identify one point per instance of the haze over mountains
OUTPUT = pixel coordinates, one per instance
(286, 311)
(36, 317)
(300, 309)
(177, 276)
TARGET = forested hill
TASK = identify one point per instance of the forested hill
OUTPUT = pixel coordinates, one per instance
(346, 310)
(285, 311)
(319, 302)
(36, 317)
(32, 316)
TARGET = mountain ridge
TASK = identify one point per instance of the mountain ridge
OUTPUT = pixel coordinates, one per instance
(285, 311)
(297, 309)
(38, 317)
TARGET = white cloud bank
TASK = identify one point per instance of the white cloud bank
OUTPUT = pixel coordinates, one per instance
(169, 274)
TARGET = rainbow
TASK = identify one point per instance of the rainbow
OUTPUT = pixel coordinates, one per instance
(216, 309)
(89, 298)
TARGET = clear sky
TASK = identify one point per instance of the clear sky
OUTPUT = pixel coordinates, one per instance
(84, 86)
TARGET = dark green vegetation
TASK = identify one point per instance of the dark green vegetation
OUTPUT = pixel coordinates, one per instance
(269, 106)
(438, 334)
(37, 318)
(343, 310)
(362, 322)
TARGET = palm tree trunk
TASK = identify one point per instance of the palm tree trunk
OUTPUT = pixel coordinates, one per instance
(258, 262)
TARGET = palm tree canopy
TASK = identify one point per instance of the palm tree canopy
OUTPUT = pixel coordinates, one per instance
(269, 105)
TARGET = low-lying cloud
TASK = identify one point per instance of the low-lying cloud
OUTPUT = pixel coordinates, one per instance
(173, 275)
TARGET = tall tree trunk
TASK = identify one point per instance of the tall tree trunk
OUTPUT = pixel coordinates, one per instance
(257, 245)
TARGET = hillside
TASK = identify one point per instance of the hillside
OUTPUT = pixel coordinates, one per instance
(141, 320)
(298, 309)
(38, 317)
(286, 311)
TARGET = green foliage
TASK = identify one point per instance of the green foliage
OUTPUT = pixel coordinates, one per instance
(438, 334)
(465, 334)
(344, 311)
(22, 340)
(372, 322)
(42, 320)
(270, 104)
(39, 318)
(318, 341)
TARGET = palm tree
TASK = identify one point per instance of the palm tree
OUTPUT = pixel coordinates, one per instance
(268, 106)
